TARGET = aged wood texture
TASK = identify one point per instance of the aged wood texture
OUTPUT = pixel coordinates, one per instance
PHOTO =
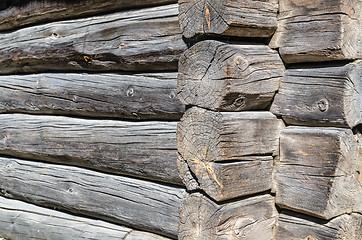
(203, 219)
(136, 203)
(229, 77)
(144, 149)
(23, 221)
(20, 13)
(297, 227)
(135, 40)
(320, 30)
(241, 18)
(319, 172)
(138, 96)
(227, 154)
(322, 96)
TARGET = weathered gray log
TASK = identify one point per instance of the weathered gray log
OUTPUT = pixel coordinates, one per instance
(296, 227)
(319, 172)
(15, 14)
(131, 202)
(138, 96)
(323, 96)
(136, 40)
(22, 221)
(241, 18)
(227, 154)
(143, 149)
(252, 218)
(321, 30)
(229, 77)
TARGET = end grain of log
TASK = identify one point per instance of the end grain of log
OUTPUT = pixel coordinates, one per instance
(229, 77)
(241, 18)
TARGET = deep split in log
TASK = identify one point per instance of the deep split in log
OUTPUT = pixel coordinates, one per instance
(127, 201)
(229, 77)
(137, 96)
(241, 18)
(144, 149)
(321, 96)
(227, 154)
(136, 40)
(319, 172)
(15, 14)
(320, 30)
(20, 220)
(252, 218)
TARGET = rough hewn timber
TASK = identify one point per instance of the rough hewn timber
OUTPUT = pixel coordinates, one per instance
(229, 77)
(297, 227)
(15, 14)
(144, 149)
(319, 172)
(21, 221)
(203, 219)
(320, 30)
(131, 202)
(135, 40)
(321, 96)
(241, 18)
(227, 154)
(138, 96)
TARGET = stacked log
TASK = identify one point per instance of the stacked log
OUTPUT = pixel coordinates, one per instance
(318, 175)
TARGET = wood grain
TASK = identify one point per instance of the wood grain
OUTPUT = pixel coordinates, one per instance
(15, 14)
(136, 40)
(297, 226)
(319, 172)
(321, 96)
(128, 201)
(22, 221)
(143, 149)
(317, 31)
(227, 155)
(252, 218)
(229, 77)
(241, 18)
(128, 96)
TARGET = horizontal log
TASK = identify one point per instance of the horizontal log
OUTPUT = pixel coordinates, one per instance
(15, 14)
(321, 96)
(227, 155)
(131, 202)
(317, 31)
(137, 96)
(319, 172)
(231, 18)
(296, 227)
(143, 149)
(135, 40)
(229, 77)
(252, 218)
(20, 220)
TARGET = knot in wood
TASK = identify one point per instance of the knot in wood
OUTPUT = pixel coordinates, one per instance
(323, 105)
(240, 102)
(130, 92)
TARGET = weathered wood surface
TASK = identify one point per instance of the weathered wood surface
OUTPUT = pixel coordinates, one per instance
(252, 218)
(229, 77)
(15, 14)
(321, 96)
(319, 172)
(227, 154)
(23, 221)
(297, 227)
(131, 202)
(135, 40)
(241, 18)
(320, 30)
(143, 149)
(138, 96)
